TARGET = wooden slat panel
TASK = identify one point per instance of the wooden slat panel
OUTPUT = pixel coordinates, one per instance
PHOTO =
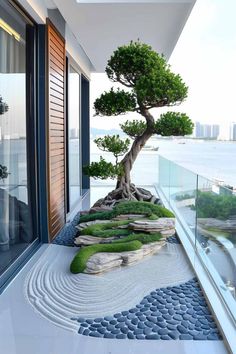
(57, 79)
(55, 70)
(56, 39)
(56, 227)
(56, 88)
(56, 114)
(57, 172)
(56, 62)
(56, 159)
(57, 104)
(58, 133)
(57, 176)
(55, 55)
(57, 165)
(57, 152)
(56, 82)
(56, 218)
(56, 48)
(57, 205)
(56, 125)
(57, 139)
(56, 146)
(60, 205)
(56, 120)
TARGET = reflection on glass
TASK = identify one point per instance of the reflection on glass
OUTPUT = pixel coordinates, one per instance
(179, 186)
(216, 228)
(74, 136)
(15, 214)
(207, 211)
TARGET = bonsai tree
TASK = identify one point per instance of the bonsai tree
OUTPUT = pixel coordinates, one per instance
(3, 169)
(149, 83)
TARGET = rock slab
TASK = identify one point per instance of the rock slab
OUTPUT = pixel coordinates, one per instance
(105, 261)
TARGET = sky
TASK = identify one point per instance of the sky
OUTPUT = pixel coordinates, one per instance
(205, 57)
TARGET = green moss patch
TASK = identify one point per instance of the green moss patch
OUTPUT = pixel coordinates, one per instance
(78, 265)
(153, 217)
(142, 208)
(107, 229)
(105, 215)
(143, 238)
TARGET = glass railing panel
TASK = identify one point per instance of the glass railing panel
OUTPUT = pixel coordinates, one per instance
(216, 235)
(183, 184)
(164, 177)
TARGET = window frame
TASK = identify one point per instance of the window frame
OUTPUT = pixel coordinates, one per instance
(70, 62)
(31, 144)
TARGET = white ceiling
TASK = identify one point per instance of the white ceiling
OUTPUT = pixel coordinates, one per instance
(101, 26)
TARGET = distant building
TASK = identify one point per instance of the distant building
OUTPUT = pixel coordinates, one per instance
(233, 131)
(197, 130)
(215, 131)
(207, 131)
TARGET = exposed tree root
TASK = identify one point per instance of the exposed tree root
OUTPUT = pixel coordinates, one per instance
(125, 193)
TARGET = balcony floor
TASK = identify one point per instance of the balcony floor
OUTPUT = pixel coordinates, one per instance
(34, 317)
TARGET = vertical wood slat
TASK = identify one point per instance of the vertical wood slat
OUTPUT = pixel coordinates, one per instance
(56, 119)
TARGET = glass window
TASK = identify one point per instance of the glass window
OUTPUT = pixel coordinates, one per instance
(15, 203)
(74, 136)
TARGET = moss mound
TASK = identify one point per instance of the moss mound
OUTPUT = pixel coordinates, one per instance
(107, 229)
(142, 208)
(104, 215)
(79, 262)
(143, 238)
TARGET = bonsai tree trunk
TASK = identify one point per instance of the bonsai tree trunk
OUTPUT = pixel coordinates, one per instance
(124, 188)
(129, 191)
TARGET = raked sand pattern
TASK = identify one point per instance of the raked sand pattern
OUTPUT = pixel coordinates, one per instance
(60, 296)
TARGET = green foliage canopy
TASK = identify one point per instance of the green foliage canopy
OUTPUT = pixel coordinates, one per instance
(173, 123)
(114, 103)
(113, 143)
(103, 169)
(150, 84)
(134, 128)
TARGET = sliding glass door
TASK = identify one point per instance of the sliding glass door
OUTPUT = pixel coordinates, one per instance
(16, 121)
(74, 151)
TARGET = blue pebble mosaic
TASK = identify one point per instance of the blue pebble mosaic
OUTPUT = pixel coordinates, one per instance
(68, 234)
(171, 313)
(173, 239)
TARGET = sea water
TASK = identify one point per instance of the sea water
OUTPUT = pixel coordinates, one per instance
(210, 159)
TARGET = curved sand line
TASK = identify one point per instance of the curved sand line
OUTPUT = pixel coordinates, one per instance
(59, 295)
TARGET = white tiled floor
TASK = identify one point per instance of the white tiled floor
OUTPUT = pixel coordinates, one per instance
(22, 331)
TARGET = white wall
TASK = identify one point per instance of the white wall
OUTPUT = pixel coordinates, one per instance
(38, 11)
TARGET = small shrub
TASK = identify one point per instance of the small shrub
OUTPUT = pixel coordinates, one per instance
(79, 262)
(143, 238)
